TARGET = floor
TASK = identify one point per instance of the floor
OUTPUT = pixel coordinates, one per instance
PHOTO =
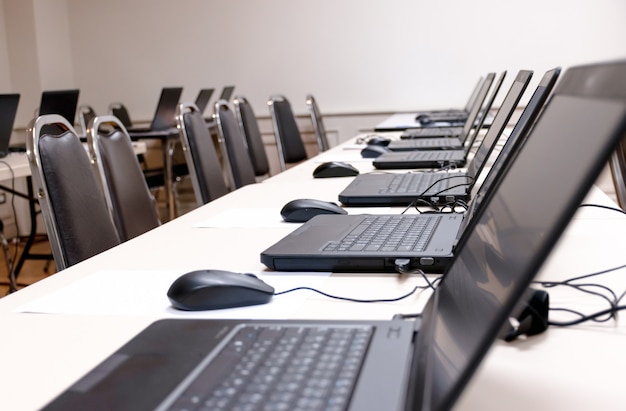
(35, 270)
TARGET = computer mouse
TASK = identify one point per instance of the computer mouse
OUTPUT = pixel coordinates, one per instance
(372, 151)
(217, 289)
(423, 119)
(303, 209)
(335, 169)
(379, 141)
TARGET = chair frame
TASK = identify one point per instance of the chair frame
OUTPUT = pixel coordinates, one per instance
(32, 151)
(82, 110)
(227, 153)
(277, 129)
(93, 137)
(181, 110)
(318, 125)
(259, 170)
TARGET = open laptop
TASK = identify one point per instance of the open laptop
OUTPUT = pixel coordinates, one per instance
(426, 363)
(472, 117)
(324, 243)
(454, 113)
(63, 102)
(431, 187)
(438, 158)
(434, 138)
(8, 110)
(227, 93)
(202, 100)
(165, 115)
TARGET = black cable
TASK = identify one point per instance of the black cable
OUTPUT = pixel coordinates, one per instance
(587, 317)
(617, 209)
(356, 300)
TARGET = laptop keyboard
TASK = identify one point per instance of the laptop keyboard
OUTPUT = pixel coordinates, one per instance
(417, 184)
(432, 132)
(430, 155)
(282, 367)
(388, 233)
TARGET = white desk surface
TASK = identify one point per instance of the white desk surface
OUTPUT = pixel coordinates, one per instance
(570, 368)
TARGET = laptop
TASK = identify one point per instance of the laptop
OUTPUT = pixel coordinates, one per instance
(63, 102)
(227, 93)
(202, 100)
(427, 362)
(313, 245)
(165, 115)
(438, 158)
(431, 187)
(8, 110)
(454, 113)
(456, 131)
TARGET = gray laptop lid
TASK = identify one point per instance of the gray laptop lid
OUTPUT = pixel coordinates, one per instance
(63, 102)
(8, 109)
(227, 93)
(514, 236)
(202, 100)
(165, 114)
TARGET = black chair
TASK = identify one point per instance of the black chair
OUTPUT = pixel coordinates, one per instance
(206, 174)
(119, 110)
(318, 124)
(235, 149)
(617, 164)
(131, 204)
(250, 127)
(288, 139)
(85, 114)
(73, 206)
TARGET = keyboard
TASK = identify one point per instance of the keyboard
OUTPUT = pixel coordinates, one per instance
(432, 132)
(388, 233)
(418, 184)
(279, 367)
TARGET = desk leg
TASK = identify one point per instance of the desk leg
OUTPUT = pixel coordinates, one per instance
(26, 254)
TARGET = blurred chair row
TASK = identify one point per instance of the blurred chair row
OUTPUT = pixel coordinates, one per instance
(92, 202)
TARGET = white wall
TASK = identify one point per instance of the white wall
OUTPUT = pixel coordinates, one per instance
(354, 55)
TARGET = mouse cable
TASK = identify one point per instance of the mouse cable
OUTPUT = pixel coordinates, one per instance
(356, 300)
(605, 207)
(583, 318)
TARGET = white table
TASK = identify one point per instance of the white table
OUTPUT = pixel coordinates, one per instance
(578, 368)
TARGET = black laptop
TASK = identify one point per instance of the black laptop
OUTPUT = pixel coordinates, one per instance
(63, 102)
(202, 100)
(446, 138)
(453, 114)
(426, 364)
(8, 110)
(165, 115)
(312, 246)
(431, 187)
(438, 158)
(227, 93)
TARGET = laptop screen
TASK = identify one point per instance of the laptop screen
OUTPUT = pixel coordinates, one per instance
(8, 109)
(203, 98)
(165, 115)
(63, 102)
(514, 235)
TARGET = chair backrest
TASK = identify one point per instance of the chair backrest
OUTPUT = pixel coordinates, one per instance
(73, 206)
(250, 126)
(85, 115)
(129, 200)
(204, 165)
(288, 139)
(617, 165)
(318, 124)
(119, 110)
(234, 146)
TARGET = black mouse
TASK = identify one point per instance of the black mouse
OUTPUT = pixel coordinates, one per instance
(379, 141)
(372, 151)
(335, 169)
(216, 289)
(302, 210)
(423, 119)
